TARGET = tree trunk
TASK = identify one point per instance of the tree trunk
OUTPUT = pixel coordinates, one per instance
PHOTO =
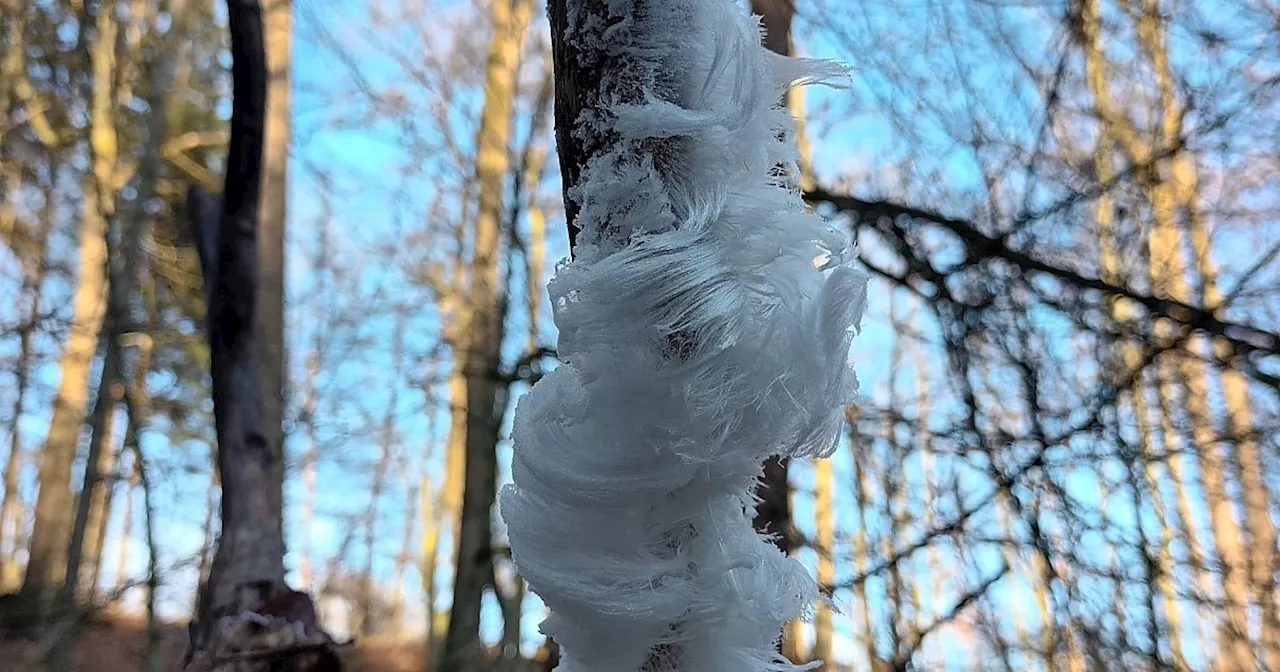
(12, 64)
(892, 487)
(402, 558)
(47, 559)
(210, 538)
(99, 521)
(137, 407)
(122, 546)
(102, 431)
(427, 567)
(1235, 390)
(308, 468)
(100, 454)
(824, 511)
(387, 445)
(773, 512)
(11, 506)
(277, 16)
(479, 355)
(248, 566)
(824, 518)
(862, 545)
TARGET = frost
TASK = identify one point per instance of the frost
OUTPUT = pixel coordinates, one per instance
(705, 326)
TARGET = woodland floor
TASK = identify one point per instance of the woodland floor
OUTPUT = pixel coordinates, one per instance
(118, 644)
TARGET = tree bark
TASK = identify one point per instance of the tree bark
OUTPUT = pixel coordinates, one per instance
(137, 407)
(277, 16)
(387, 441)
(248, 565)
(308, 469)
(122, 546)
(96, 495)
(47, 559)
(773, 513)
(479, 353)
(428, 555)
(11, 505)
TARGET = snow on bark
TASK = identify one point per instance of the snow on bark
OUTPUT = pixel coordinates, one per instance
(705, 324)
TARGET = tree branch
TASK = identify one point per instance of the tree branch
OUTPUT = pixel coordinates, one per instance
(1248, 340)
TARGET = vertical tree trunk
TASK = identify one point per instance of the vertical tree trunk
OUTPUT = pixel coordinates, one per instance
(308, 469)
(136, 405)
(824, 518)
(122, 546)
(1233, 631)
(11, 505)
(102, 430)
(11, 68)
(1235, 390)
(248, 566)
(403, 557)
(479, 357)
(1161, 245)
(387, 444)
(277, 17)
(773, 512)
(47, 559)
(427, 567)
(100, 454)
(210, 539)
(861, 543)
(103, 151)
(99, 521)
(924, 442)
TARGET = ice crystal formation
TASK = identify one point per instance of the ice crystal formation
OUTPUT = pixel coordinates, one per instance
(704, 325)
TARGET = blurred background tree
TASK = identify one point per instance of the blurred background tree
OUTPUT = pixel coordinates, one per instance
(1064, 456)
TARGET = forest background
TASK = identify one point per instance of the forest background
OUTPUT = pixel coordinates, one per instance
(1065, 454)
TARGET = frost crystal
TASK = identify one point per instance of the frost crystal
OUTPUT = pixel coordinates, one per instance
(705, 326)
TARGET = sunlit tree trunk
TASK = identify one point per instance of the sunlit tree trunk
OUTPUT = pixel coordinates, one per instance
(1183, 184)
(12, 63)
(1119, 133)
(427, 565)
(824, 519)
(33, 282)
(1235, 389)
(92, 499)
(387, 441)
(12, 70)
(209, 528)
(248, 565)
(122, 545)
(479, 357)
(54, 514)
(308, 471)
(404, 556)
(861, 543)
(893, 486)
(137, 406)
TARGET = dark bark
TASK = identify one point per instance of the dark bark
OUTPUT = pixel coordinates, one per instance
(578, 78)
(248, 566)
(478, 351)
(773, 512)
(576, 89)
